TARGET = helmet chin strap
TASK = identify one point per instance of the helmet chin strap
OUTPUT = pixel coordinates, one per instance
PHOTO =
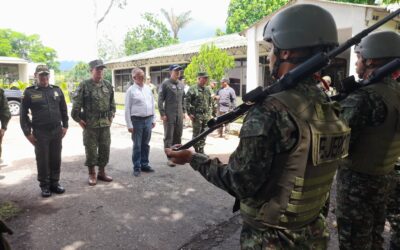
(277, 64)
(279, 61)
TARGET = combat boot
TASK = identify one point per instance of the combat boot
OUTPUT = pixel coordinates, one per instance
(92, 176)
(103, 176)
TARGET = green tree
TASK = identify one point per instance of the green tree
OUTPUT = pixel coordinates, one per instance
(177, 22)
(153, 34)
(81, 71)
(17, 44)
(219, 32)
(243, 13)
(108, 49)
(210, 59)
(78, 73)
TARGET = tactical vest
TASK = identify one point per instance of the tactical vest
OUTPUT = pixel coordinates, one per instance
(377, 148)
(299, 183)
(94, 104)
(201, 105)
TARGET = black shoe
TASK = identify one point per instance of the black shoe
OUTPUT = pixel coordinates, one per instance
(147, 169)
(45, 192)
(58, 189)
(136, 172)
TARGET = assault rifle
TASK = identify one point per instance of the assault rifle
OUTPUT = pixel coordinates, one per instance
(289, 80)
(349, 84)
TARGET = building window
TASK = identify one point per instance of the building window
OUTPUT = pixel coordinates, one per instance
(122, 79)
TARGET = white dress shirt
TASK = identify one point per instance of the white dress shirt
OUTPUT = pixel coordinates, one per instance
(139, 101)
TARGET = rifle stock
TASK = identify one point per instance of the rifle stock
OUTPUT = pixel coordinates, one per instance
(289, 80)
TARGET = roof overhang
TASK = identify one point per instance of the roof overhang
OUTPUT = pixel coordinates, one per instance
(12, 60)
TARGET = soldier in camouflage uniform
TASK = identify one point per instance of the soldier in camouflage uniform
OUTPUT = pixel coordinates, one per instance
(363, 179)
(5, 117)
(282, 179)
(94, 108)
(199, 106)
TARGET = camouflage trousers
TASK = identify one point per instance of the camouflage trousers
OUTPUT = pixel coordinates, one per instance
(393, 211)
(313, 236)
(199, 125)
(97, 146)
(361, 209)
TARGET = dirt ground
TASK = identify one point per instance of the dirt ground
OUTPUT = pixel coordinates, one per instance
(173, 208)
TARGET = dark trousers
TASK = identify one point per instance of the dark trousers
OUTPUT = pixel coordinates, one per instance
(221, 129)
(141, 138)
(173, 129)
(48, 155)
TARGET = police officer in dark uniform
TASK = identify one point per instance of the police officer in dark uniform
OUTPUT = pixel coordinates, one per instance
(46, 129)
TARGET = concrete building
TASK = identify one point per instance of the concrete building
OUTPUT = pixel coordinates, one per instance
(13, 69)
(155, 62)
(350, 20)
(250, 51)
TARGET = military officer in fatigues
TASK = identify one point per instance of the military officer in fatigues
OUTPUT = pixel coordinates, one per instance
(290, 144)
(49, 124)
(5, 117)
(199, 107)
(363, 179)
(172, 109)
(94, 108)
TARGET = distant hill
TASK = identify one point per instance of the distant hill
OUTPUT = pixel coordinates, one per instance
(67, 65)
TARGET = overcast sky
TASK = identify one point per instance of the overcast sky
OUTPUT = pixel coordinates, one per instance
(68, 25)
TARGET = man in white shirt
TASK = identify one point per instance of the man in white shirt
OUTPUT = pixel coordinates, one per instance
(140, 119)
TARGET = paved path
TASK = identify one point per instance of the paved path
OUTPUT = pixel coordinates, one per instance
(173, 208)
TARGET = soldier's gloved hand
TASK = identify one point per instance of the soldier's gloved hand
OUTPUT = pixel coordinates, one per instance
(179, 157)
(82, 123)
(31, 139)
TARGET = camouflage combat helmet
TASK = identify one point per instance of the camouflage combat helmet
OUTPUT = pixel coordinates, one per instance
(385, 44)
(301, 26)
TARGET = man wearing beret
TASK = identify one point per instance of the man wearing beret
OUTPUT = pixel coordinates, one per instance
(199, 105)
(172, 108)
(94, 110)
(46, 128)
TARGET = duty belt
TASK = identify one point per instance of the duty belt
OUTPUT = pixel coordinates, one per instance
(99, 115)
(48, 126)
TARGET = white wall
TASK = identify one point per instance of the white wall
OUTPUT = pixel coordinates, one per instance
(23, 72)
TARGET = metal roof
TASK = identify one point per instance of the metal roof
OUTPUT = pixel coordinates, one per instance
(186, 48)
